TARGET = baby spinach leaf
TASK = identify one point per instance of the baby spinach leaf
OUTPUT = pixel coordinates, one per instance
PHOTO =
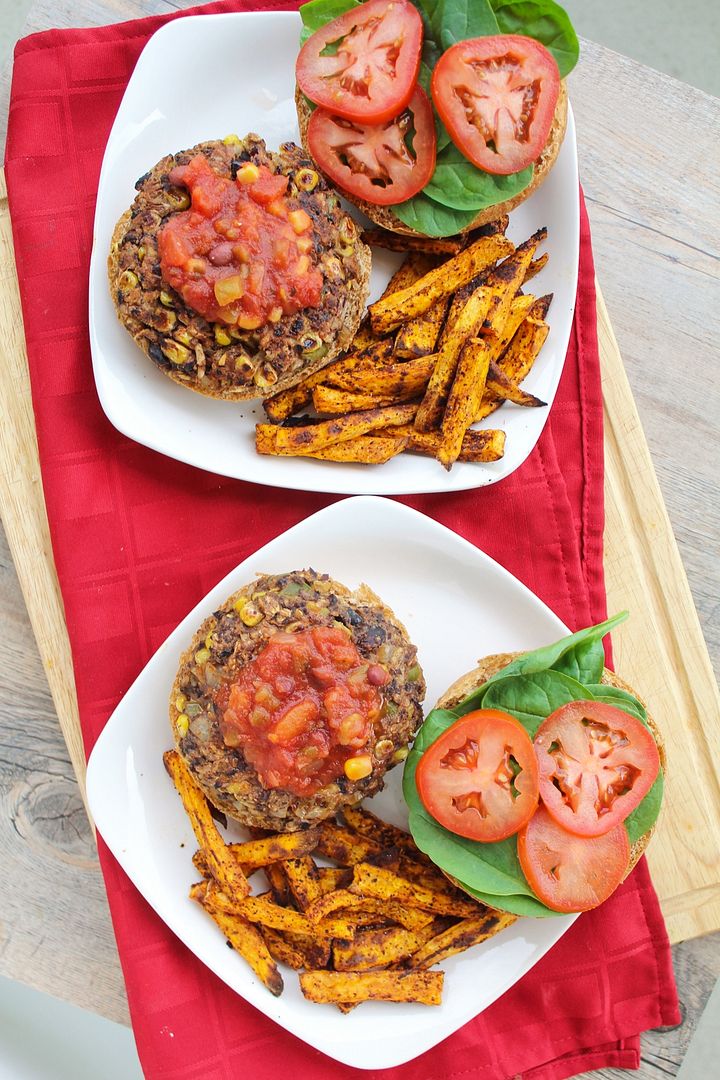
(463, 19)
(613, 695)
(584, 662)
(458, 184)
(531, 698)
(645, 815)
(319, 12)
(518, 905)
(543, 20)
(429, 217)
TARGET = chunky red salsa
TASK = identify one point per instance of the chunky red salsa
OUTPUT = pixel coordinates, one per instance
(240, 255)
(302, 708)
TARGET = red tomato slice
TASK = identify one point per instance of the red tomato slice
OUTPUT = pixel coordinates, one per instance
(596, 764)
(364, 64)
(376, 162)
(497, 97)
(479, 779)
(571, 873)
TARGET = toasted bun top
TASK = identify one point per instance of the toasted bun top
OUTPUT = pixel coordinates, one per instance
(490, 665)
(386, 219)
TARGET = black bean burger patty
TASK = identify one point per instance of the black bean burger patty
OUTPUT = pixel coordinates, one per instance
(233, 636)
(212, 358)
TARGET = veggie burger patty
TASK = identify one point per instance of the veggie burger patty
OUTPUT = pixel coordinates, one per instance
(294, 698)
(230, 235)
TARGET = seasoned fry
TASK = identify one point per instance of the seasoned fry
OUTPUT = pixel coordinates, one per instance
(328, 400)
(488, 445)
(461, 936)
(223, 865)
(315, 951)
(245, 939)
(278, 882)
(374, 949)
(307, 439)
(418, 336)
(382, 833)
(390, 312)
(385, 885)
(332, 987)
(283, 950)
(499, 384)
(259, 909)
(413, 267)
(257, 853)
(303, 881)
(343, 846)
(466, 326)
(288, 402)
(390, 379)
(346, 901)
(536, 266)
(331, 878)
(365, 450)
(428, 245)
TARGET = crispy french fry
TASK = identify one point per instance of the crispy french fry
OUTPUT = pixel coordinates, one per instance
(390, 312)
(246, 939)
(344, 846)
(270, 849)
(414, 266)
(221, 862)
(307, 439)
(487, 445)
(384, 834)
(283, 950)
(520, 355)
(466, 326)
(498, 383)
(330, 401)
(287, 402)
(461, 936)
(347, 901)
(390, 379)
(278, 882)
(418, 337)
(332, 877)
(428, 245)
(348, 987)
(536, 266)
(385, 885)
(303, 881)
(259, 909)
(365, 450)
(374, 949)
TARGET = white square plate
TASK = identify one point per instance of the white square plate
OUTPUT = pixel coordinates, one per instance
(457, 605)
(240, 69)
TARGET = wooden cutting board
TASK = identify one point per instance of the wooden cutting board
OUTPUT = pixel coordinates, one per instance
(660, 650)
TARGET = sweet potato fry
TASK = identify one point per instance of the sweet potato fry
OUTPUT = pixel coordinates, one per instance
(333, 987)
(270, 849)
(391, 311)
(283, 950)
(498, 383)
(461, 936)
(348, 902)
(366, 450)
(385, 885)
(520, 355)
(329, 400)
(390, 379)
(278, 882)
(308, 438)
(413, 267)
(245, 939)
(428, 245)
(344, 846)
(259, 909)
(223, 865)
(384, 834)
(374, 949)
(418, 337)
(303, 881)
(333, 877)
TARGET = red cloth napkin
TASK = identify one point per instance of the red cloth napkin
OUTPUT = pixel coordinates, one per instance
(139, 538)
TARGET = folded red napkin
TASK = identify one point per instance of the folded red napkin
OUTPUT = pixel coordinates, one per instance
(131, 564)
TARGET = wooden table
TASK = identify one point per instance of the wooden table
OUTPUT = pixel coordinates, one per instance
(655, 215)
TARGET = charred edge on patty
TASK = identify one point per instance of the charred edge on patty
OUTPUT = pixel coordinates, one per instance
(181, 342)
(287, 602)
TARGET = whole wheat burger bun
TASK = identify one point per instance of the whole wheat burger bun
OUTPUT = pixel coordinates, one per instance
(386, 219)
(490, 665)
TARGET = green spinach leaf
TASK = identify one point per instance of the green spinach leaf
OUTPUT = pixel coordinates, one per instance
(462, 19)
(317, 13)
(584, 662)
(613, 695)
(458, 184)
(645, 815)
(543, 20)
(429, 217)
(531, 698)
(519, 905)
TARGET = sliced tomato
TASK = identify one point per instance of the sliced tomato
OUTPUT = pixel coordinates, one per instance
(382, 163)
(567, 872)
(497, 97)
(364, 64)
(596, 764)
(479, 779)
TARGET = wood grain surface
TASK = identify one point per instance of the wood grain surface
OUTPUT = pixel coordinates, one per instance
(655, 231)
